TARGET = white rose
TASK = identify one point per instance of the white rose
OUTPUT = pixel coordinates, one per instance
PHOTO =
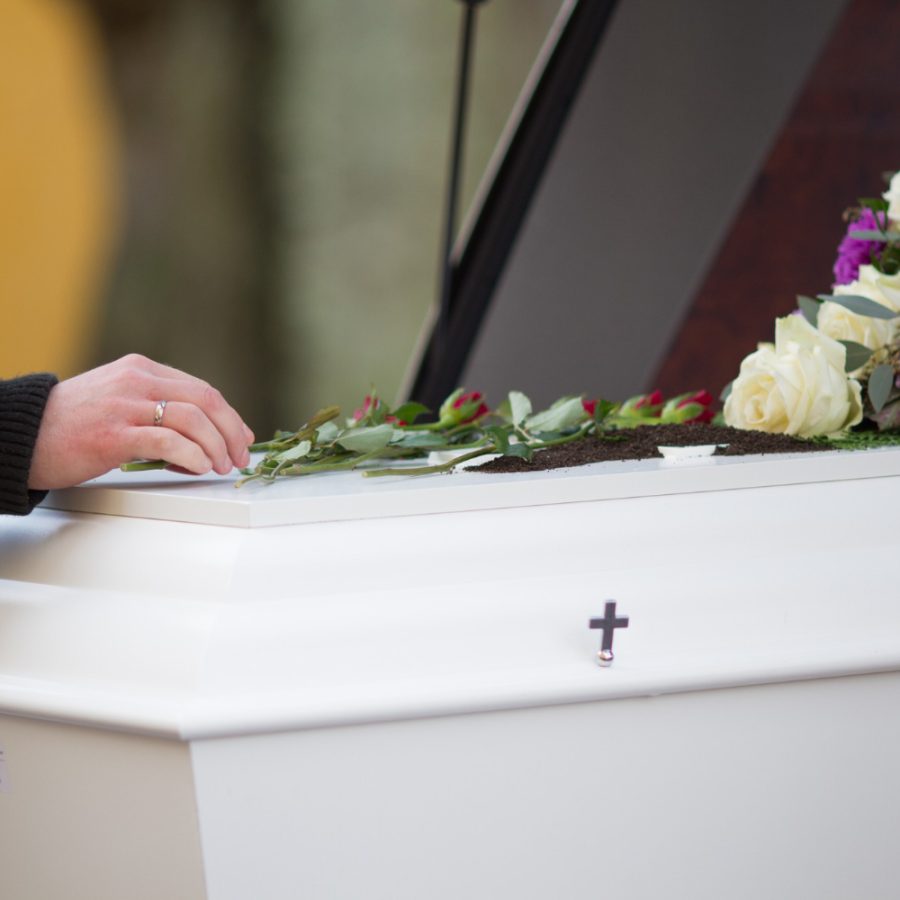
(798, 386)
(887, 285)
(892, 195)
(839, 323)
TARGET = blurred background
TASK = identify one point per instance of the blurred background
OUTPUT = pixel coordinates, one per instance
(253, 190)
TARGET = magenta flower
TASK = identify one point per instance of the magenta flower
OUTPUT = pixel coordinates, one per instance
(852, 252)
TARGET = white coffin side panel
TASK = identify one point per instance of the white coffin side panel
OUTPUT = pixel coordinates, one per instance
(189, 630)
(782, 791)
(95, 815)
(400, 699)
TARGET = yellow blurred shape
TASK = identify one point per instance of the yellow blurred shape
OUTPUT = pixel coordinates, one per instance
(58, 185)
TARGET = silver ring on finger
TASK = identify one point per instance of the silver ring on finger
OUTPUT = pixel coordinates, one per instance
(160, 410)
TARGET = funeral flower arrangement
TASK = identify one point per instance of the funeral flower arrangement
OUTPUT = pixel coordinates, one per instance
(832, 374)
(465, 429)
(834, 364)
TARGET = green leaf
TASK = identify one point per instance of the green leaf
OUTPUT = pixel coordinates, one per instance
(523, 451)
(366, 440)
(295, 452)
(810, 309)
(862, 306)
(876, 204)
(857, 355)
(417, 439)
(881, 382)
(566, 412)
(409, 412)
(546, 437)
(519, 407)
(684, 413)
(726, 391)
(499, 437)
(327, 433)
(603, 409)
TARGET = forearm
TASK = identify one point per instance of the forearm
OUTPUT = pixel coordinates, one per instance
(22, 403)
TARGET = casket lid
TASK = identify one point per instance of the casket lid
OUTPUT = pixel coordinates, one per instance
(214, 500)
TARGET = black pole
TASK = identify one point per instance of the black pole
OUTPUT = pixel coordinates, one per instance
(532, 133)
(466, 41)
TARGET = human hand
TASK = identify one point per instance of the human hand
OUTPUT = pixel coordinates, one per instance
(96, 421)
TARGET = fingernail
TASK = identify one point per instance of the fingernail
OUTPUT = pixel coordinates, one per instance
(245, 458)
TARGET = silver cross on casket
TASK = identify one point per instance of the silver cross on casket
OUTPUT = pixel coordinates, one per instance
(609, 623)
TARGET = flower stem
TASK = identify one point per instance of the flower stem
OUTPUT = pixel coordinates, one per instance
(431, 470)
(144, 465)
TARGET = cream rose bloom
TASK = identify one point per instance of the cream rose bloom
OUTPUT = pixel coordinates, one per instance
(798, 386)
(892, 195)
(842, 325)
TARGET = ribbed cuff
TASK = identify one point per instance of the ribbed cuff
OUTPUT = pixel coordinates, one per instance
(22, 402)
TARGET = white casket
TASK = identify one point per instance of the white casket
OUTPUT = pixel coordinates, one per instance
(340, 687)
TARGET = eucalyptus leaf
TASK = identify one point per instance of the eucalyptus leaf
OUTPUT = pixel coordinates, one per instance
(565, 413)
(296, 452)
(868, 235)
(366, 440)
(862, 306)
(888, 417)
(519, 407)
(857, 355)
(726, 391)
(810, 309)
(881, 382)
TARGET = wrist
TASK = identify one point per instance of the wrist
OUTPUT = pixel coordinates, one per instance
(22, 404)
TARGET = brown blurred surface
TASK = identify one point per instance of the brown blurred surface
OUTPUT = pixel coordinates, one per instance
(843, 132)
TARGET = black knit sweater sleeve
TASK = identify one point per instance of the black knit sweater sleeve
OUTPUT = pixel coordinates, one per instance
(22, 402)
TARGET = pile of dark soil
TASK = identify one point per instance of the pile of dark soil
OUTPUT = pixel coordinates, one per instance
(641, 443)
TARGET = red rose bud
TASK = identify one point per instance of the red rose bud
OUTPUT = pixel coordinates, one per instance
(590, 407)
(368, 407)
(702, 399)
(654, 399)
(363, 411)
(688, 408)
(460, 408)
(644, 406)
